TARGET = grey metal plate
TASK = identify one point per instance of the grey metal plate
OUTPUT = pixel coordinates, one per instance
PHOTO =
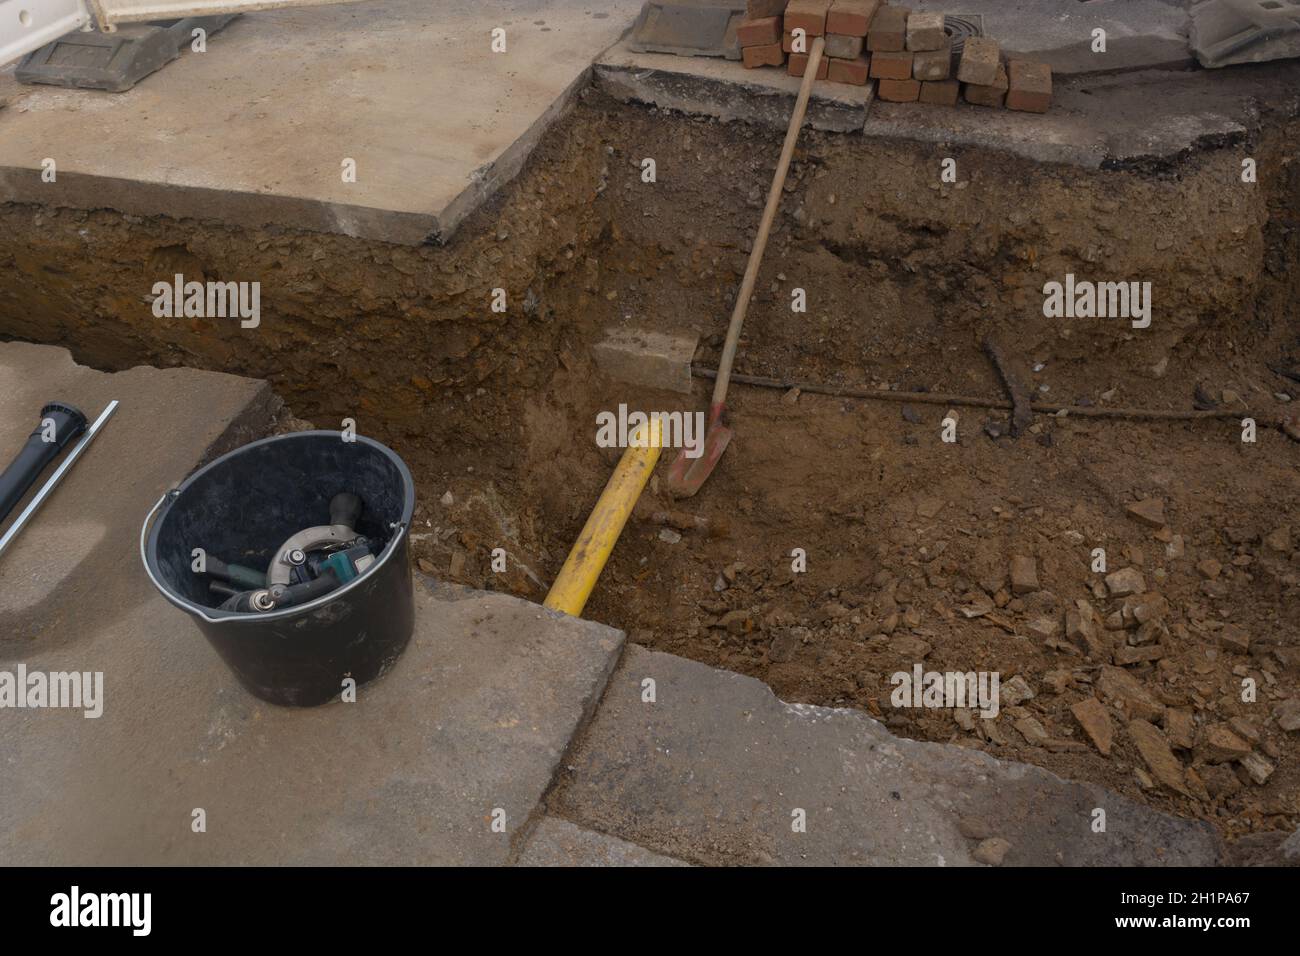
(1225, 32)
(688, 29)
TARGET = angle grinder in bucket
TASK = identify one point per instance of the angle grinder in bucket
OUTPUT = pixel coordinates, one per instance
(294, 606)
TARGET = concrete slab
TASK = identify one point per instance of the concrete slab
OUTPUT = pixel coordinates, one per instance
(647, 358)
(471, 722)
(256, 130)
(64, 577)
(1140, 34)
(727, 91)
(715, 770)
(475, 716)
(556, 842)
(1103, 120)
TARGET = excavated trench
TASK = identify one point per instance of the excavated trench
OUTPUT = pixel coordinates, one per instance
(905, 534)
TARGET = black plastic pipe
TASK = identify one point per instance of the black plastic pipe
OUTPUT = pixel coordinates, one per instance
(68, 422)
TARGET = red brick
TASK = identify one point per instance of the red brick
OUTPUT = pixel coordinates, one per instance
(891, 66)
(853, 72)
(899, 91)
(979, 61)
(932, 64)
(807, 15)
(798, 62)
(843, 47)
(1030, 86)
(851, 18)
(759, 32)
(940, 92)
(787, 42)
(994, 94)
(758, 9)
(769, 54)
(888, 33)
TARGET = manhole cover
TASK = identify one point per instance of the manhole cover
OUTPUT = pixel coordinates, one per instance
(960, 26)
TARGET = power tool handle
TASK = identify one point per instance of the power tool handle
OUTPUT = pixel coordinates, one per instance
(345, 509)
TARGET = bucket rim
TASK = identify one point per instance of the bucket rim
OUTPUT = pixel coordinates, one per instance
(149, 531)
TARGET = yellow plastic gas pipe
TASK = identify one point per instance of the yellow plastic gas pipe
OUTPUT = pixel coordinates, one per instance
(577, 579)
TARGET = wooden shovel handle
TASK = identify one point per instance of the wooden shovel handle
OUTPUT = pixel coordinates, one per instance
(765, 226)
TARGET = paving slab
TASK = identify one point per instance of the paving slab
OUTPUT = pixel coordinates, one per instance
(727, 91)
(475, 716)
(556, 842)
(470, 723)
(1140, 34)
(717, 770)
(255, 130)
(73, 549)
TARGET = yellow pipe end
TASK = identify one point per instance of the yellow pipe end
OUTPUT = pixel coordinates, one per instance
(577, 579)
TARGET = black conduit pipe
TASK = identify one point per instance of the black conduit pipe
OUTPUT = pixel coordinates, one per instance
(68, 422)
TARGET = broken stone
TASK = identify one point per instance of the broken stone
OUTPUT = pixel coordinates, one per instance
(1149, 633)
(1180, 728)
(1024, 575)
(1209, 568)
(1155, 753)
(737, 622)
(1287, 714)
(1235, 639)
(910, 646)
(1081, 631)
(1015, 691)
(929, 507)
(978, 604)
(1043, 627)
(1244, 729)
(1257, 768)
(1219, 781)
(1148, 511)
(992, 851)
(784, 644)
(1279, 540)
(669, 536)
(1092, 717)
(1142, 608)
(1221, 745)
(1126, 654)
(447, 500)
(1124, 582)
(1129, 694)
(1033, 731)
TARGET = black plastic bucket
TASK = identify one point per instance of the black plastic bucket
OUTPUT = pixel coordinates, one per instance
(241, 508)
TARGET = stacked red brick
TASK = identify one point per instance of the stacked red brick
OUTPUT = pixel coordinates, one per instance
(847, 24)
(760, 34)
(908, 52)
(987, 81)
(805, 19)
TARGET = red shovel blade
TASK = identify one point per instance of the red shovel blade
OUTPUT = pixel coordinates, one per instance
(686, 475)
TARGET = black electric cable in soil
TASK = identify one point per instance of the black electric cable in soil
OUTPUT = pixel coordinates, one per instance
(934, 398)
(67, 423)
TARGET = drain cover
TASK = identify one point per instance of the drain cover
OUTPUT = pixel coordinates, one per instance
(113, 61)
(959, 26)
(1245, 31)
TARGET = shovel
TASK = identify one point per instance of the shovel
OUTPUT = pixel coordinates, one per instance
(686, 475)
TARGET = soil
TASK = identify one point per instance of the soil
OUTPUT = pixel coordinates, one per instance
(905, 277)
